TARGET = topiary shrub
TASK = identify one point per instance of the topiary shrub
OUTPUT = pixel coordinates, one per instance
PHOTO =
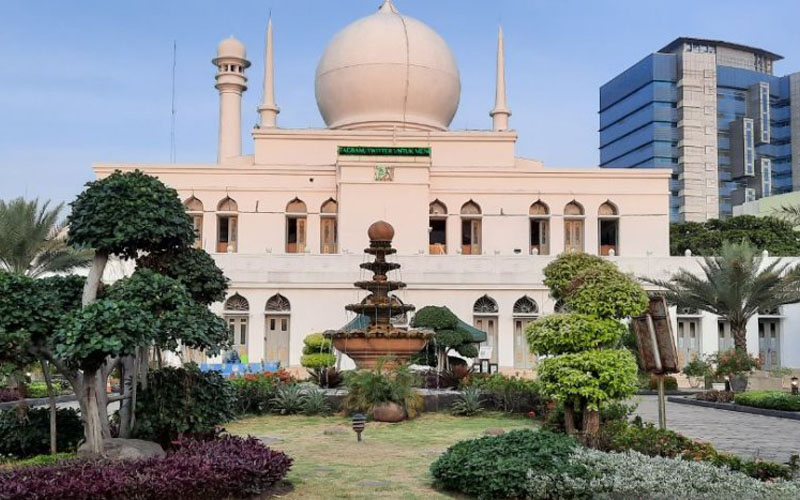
(317, 352)
(182, 401)
(772, 400)
(497, 466)
(606, 292)
(27, 433)
(560, 273)
(230, 467)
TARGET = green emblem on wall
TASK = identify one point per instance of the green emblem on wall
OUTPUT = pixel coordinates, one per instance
(384, 173)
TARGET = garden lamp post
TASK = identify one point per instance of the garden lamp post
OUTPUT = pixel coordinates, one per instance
(795, 388)
(359, 422)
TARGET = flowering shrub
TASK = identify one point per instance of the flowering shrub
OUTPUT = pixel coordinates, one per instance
(773, 400)
(230, 468)
(735, 361)
(598, 475)
(254, 391)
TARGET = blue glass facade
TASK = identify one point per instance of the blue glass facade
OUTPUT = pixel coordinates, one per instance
(639, 119)
(639, 125)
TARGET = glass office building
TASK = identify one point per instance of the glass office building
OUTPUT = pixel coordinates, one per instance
(714, 113)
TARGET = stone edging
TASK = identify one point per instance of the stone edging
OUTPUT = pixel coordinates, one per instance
(792, 415)
(31, 402)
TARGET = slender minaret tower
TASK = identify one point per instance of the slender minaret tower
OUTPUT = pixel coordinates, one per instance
(500, 113)
(231, 61)
(268, 109)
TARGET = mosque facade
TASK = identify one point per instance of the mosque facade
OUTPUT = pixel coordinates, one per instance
(475, 224)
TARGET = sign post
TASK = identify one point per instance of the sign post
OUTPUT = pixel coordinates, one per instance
(656, 346)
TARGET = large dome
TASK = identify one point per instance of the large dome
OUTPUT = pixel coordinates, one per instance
(385, 71)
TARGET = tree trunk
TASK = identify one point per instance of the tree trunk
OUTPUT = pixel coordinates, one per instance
(102, 403)
(93, 428)
(739, 332)
(126, 388)
(93, 280)
(591, 426)
(52, 398)
(569, 419)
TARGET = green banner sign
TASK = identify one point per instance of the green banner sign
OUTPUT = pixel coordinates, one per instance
(381, 151)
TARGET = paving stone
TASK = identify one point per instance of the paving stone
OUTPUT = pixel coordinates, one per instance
(743, 434)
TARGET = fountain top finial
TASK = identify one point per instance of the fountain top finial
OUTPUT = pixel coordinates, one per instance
(380, 231)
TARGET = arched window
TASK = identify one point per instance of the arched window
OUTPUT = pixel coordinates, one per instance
(227, 225)
(471, 228)
(194, 208)
(278, 303)
(484, 318)
(296, 226)
(526, 306)
(328, 228)
(608, 228)
(539, 228)
(276, 329)
(437, 228)
(485, 305)
(525, 311)
(237, 314)
(573, 227)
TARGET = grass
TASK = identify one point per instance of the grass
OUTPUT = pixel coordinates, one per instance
(391, 463)
(37, 460)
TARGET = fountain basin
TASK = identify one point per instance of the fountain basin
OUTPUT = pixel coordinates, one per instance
(367, 351)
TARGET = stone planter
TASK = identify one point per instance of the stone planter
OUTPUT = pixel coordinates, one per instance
(389, 412)
(738, 382)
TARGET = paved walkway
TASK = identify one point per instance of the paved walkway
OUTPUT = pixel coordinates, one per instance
(744, 434)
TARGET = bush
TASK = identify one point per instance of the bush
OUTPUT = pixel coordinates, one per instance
(318, 360)
(620, 436)
(510, 394)
(254, 391)
(670, 383)
(497, 466)
(735, 361)
(772, 400)
(370, 388)
(288, 400)
(327, 378)
(715, 396)
(231, 467)
(560, 273)
(316, 404)
(27, 433)
(697, 367)
(7, 395)
(565, 333)
(606, 292)
(467, 403)
(598, 475)
(180, 401)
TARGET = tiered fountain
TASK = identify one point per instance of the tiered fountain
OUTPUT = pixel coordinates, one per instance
(380, 340)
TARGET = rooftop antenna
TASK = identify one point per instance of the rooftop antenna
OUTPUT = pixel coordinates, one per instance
(173, 153)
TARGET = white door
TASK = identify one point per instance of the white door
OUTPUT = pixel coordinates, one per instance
(725, 342)
(489, 325)
(769, 343)
(276, 339)
(688, 339)
(523, 358)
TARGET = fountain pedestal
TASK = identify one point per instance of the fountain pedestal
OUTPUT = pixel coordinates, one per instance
(380, 340)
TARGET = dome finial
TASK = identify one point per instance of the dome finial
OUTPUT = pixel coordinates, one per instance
(388, 6)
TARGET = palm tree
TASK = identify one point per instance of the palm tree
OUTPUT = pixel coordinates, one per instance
(32, 239)
(735, 286)
(790, 213)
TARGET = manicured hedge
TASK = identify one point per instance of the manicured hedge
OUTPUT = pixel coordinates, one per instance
(497, 466)
(25, 434)
(226, 468)
(771, 400)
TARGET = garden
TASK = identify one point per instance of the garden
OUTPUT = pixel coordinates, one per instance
(185, 433)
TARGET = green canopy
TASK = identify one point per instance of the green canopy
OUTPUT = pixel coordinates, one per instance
(362, 321)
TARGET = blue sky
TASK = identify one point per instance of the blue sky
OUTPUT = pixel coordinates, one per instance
(90, 81)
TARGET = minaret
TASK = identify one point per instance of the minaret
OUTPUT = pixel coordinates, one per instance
(231, 62)
(500, 113)
(268, 109)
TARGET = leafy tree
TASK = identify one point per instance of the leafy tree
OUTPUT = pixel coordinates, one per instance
(774, 234)
(584, 367)
(32, 240)
(735, 286)
(449, 334)
(194, 268)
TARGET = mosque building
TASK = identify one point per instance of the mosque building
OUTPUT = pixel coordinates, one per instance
(474, 224)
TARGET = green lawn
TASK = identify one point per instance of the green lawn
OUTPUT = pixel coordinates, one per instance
(391, 462)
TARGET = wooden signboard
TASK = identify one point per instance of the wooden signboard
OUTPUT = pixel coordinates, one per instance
(654, 338)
